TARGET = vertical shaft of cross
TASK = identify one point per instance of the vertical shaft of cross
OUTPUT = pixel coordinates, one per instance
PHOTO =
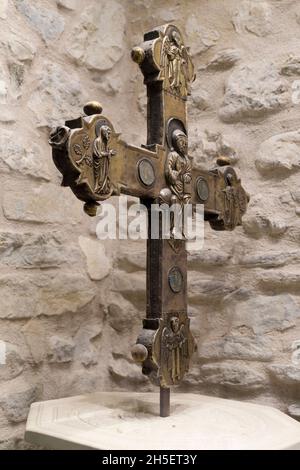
(155, 296)
(166, 301)
(166, 344)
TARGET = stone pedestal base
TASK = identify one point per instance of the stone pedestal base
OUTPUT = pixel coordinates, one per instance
(130, 421)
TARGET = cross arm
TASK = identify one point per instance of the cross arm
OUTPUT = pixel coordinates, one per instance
(96, 163)
(220, 190)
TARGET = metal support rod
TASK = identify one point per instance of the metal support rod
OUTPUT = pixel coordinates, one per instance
(164, 401)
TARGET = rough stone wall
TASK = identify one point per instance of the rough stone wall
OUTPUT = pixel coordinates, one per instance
(71, 306)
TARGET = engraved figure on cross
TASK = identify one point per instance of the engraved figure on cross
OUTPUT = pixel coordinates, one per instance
(174, 348)
(173, 63)
(101, 161)
(179, 168)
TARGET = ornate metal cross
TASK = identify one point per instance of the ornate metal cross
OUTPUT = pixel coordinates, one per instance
(97, 164)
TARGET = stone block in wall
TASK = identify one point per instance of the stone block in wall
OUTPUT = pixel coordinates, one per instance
(130, 261)
(199, 101)
(126, 373)
(269, 259)
(262, 220)
(201, 37)
(73, 337)
(25, 296)
(233, 377)
(253, 17)
(19, 49)
(285, 374)
(35, 337)
(208, 257)
(84, 339)
(279, 281)
(25, 160)
(16, 398)
(254, 90)
(255, 348)
(208, 289)
(97, 262)
(291, 67)
(132, 287)
(41, 203)
(206, 147)
(57, 96)
(279, 156)
(48, 23)
(36, 251)
(98, 40)
(122, 316)
(261, 225)
(14, 363)
(60, 349)
(223, 60)
(265, 314)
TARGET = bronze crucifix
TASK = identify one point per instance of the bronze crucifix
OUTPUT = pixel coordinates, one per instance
(96, 164)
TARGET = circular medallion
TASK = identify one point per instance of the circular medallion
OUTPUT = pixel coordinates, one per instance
(146, 172)
(175, 279)
(202, 189)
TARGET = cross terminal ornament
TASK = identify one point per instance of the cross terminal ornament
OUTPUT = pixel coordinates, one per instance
(97, 164)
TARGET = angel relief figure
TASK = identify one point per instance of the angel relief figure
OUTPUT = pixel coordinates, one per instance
(173, 63)
(101, 161)
(175, 349)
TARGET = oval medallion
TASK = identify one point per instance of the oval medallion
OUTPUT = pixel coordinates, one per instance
(202, 189)
(175, 278)
(146, 172)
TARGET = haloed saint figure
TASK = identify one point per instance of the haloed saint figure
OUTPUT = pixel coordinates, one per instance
(179, 168)
(101, 161)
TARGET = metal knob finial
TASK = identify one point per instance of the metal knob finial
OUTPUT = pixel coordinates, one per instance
(139, 353)
(92, 107)
(90, 208)
(138, 55)
(223, 161)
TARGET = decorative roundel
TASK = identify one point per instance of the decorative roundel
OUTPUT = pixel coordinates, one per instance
(146, 172)
(175, 278)
(202, 189)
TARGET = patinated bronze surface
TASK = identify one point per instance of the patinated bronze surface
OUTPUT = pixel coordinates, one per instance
(96, 164)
